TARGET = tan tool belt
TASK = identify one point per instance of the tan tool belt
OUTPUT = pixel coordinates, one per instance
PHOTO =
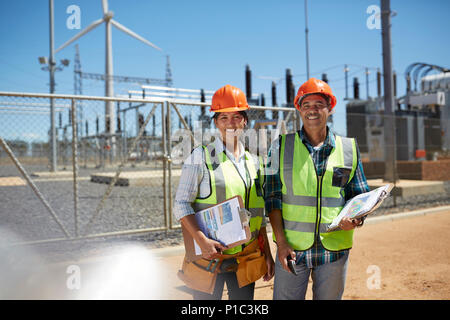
(201, 275)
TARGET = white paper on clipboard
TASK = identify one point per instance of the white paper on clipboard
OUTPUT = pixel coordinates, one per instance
(362, 205)
(222, 223)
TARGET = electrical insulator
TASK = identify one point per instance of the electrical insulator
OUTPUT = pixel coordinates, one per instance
(274, 94)
(248, 82)
(355, 88)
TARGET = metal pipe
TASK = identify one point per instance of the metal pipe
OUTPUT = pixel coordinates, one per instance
(146, 100)
(81, 97)
(125, 145)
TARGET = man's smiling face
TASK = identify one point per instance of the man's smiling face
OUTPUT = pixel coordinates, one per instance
(314, 111)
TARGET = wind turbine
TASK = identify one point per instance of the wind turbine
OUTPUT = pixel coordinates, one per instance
(109, 81)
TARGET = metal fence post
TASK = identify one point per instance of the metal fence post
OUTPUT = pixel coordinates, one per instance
(164, 142)
(169, 161)
(75, 163)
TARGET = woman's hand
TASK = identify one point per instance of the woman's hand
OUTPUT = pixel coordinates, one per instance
(211, 249)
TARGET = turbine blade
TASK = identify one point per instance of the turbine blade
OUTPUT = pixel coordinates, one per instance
(92, 26)
(105, 6)
(134, 35)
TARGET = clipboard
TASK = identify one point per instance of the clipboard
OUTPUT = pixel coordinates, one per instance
(189, 245)
(362, 205)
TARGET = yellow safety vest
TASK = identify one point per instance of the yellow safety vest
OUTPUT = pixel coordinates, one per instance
(311, 202)
(226, 182)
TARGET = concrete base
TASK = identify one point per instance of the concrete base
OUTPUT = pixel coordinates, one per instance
(152, 178)
(410, 188)
(11, 181)
(49, 174)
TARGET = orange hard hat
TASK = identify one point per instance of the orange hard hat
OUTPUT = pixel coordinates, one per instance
(314, 86)
(229, 99)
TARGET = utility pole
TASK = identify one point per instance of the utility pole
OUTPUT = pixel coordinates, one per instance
(306, 40)
(51, 67)
(390, 173)
(346, 81)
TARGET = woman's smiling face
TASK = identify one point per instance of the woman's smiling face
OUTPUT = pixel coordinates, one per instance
(230, 123)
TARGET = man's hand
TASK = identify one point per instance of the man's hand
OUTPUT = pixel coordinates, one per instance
(350, 224)
(285, 250)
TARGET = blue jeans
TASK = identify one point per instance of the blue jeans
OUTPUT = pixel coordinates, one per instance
(328, 280)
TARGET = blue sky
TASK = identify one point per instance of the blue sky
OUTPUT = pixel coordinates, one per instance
(210, 42)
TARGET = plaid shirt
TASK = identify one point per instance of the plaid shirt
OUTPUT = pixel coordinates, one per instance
(317, 254)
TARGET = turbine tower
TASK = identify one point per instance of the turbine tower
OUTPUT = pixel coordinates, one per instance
(109, 83)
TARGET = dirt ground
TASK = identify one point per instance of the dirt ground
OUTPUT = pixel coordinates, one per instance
(404, 259)
(401, 259)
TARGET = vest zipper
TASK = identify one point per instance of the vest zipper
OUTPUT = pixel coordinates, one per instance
(318, 194)
(247, 189)
(319, 197)
(319, 208)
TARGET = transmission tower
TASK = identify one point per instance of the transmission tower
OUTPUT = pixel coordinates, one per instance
(168, 72)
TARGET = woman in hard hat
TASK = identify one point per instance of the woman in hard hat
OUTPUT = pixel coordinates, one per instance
(210, 175)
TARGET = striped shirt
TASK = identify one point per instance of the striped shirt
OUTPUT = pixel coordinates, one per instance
(317, 254)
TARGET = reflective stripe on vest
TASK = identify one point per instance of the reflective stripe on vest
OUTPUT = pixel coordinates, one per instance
(226, 182)
(310, 202)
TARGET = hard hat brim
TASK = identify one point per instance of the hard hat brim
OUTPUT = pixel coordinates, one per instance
(332, 99)
(314, 86)
(231, 109)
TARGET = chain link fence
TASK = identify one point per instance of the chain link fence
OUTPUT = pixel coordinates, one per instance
(123, 180)
(105, 183)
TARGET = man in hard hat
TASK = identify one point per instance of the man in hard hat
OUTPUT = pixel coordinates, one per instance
(310, 175)
(210, 175)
